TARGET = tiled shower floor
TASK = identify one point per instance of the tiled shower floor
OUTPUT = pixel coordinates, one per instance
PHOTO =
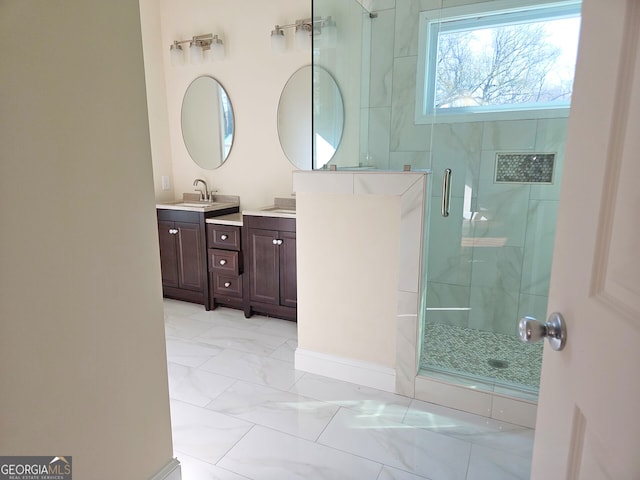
(494, 357)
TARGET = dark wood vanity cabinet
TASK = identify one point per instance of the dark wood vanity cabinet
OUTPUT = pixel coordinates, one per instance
(270, 261)
(182, 255)
(225, 262)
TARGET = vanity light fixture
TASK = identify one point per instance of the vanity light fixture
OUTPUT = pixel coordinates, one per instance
(322, 29)
(199, 45)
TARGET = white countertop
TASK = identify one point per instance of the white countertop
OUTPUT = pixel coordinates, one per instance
(234, 219)
(194, 206)
(272, 211)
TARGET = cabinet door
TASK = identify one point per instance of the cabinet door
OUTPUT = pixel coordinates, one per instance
(288, 278)
(264, 267)
(190, 260)
(168, 254)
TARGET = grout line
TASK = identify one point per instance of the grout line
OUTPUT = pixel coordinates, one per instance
(325, 427)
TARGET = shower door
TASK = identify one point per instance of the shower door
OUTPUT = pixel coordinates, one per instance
(489, 260)
(494, 195)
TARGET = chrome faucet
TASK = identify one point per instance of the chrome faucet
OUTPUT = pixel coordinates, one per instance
(204, 194)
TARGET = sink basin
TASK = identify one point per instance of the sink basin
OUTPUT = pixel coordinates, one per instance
(199, 204)
(280, 210)
(273, 211)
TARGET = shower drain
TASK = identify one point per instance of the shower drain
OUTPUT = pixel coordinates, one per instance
(497, 363)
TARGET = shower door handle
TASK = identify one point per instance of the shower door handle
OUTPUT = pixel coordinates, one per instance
(446, 192)
(555, 330)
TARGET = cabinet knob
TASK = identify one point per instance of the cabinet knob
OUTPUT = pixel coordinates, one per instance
(173, 231)
(223, 237)
(275, 241)
(279, 242)
(223, 262)
(227, 284)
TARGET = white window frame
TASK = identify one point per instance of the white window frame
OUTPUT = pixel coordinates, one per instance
(479, 14)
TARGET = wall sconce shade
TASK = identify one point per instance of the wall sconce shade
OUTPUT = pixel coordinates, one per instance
(217, 48)
(177, 54)
(196, 53)
(198, 45)
(303, 35)
(329, 34)
(278, 40)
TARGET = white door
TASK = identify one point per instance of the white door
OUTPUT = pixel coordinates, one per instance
(588, 423)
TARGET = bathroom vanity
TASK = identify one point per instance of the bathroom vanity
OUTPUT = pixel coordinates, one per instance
(213, 255)
(183, 246)
(269, 239)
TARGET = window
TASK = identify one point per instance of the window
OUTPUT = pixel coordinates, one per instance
(507, 63)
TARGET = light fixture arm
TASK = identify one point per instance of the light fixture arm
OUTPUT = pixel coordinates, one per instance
(292, 25)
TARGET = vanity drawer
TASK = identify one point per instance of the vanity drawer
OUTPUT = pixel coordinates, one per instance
(223, 236)
(227, 285)
(225, 262)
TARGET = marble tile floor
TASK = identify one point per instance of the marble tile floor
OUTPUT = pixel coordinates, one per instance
(240, 410)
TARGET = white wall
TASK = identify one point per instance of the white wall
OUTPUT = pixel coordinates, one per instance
(257, 168)
(156, 97)
(82, 351)
(347, 306)
(359, 249)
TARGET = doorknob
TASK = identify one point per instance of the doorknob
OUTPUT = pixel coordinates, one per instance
(531, 330)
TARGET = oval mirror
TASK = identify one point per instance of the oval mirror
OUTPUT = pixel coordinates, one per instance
(207, 122)
(305, 148)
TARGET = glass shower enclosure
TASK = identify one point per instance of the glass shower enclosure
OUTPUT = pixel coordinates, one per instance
(496, 171)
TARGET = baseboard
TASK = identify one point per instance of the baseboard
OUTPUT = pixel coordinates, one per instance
(469, 399)
(346, 369)
(171, 471)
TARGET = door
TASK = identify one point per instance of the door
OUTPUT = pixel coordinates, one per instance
(190, 261)
(588, 420)
(288, 274)
(264, 266)
(168, 255)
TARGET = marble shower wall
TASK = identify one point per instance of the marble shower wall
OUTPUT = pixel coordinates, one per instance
(497, 265)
